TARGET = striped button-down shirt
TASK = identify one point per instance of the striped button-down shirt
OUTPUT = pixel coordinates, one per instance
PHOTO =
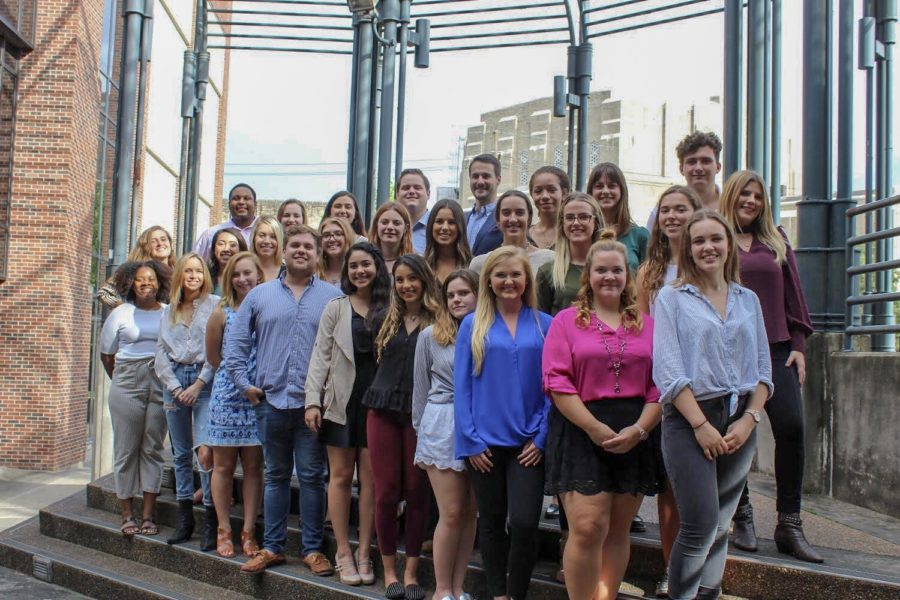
(693, 346)
(285, 335)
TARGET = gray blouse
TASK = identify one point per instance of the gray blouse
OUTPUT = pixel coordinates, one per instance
(432, 375)
(184, 343)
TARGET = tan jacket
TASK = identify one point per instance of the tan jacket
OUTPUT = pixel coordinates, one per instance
(332, 370)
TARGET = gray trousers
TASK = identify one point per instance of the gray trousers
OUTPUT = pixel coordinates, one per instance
(706, 493)
(139, 427)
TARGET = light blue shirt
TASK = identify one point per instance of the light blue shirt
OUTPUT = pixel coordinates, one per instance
(694, 347)
(285, 335)
(419, 230)
(504, 405)
(477, 218)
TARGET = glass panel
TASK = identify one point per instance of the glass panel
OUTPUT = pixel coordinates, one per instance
(7, 109)
(9, 11)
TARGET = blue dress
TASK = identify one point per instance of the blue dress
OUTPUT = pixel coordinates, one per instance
(232, 419)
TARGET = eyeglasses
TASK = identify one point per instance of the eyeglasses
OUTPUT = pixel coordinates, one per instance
(581, 218)
(333, 235)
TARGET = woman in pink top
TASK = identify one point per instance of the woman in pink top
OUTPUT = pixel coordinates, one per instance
(598, 370)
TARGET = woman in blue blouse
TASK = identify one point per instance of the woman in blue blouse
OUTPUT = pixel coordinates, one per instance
(501, 417)
(711, 365)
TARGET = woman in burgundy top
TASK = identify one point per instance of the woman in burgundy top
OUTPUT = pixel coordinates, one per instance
(598, 368)
(768, 267)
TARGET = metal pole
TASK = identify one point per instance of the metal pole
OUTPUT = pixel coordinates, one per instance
(756, 87)
(867, 62)
(767, 93)
(374, 128)
(571, 56)
(184, 221)
(585, 52)
(197, 125)
(121, 201)
(734, 92)
(146, 48)
(812, 211)
(354, 102)
(360, 185)
(390, 16)
(775, 181)
(839, 258)
(401, 88)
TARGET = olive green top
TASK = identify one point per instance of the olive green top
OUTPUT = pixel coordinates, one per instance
(551, 300)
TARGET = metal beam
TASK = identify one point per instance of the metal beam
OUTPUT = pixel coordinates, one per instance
(390, 17)
(734, 87)
(756, 89)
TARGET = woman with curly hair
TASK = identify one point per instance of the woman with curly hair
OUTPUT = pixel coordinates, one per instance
(599, 459)
(446, 245)
(414, 305)
(128, 347)
(154, 243)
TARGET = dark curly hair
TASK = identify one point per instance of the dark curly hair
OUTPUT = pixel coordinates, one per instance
(124, 279)
(696, 140)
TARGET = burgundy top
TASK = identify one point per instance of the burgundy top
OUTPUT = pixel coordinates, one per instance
(780, 294)
(576, 361)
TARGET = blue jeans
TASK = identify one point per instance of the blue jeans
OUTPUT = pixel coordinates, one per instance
(288, 442)
(706, 493)
(187, 430)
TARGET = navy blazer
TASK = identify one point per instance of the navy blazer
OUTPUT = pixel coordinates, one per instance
(489, 237)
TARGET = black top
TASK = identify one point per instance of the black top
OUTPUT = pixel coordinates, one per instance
(363, 355)
(393, 385)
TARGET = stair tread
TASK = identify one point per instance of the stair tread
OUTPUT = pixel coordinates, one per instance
(27, 537)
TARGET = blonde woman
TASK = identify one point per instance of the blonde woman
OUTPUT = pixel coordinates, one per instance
(186, 377)
(232, 430)
(337, 237)
(266, 242)
(600, 460)
(391, 232)
(501, 417)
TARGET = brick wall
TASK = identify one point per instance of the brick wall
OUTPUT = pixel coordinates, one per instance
(45, 305)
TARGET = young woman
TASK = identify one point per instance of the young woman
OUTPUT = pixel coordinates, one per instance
(391, 232)
(599, 459)
(127, 350)
(414, 303)
(674, 209)
(336, 240)
(225, 243)
(343, 205)
(501, 417)
(341, 369)
(547, 186)
(232, 428)
(186, 377)
(291, 212)
(579, 226)
(513, 213)
(711, 365)
(155, 244)
(768, 267)
(446, 245)
(267, 241)
(432, 417)
(607, 185)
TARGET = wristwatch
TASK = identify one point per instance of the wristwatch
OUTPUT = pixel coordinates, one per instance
(757, 416)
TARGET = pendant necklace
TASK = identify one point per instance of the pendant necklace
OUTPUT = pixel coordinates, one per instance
(615, 363)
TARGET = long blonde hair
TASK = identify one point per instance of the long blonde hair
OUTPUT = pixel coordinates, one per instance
(486, 308)
(687, 270)
(584, 301)
(563, 254)
(229, 298)
(176, 308)
(766, 231)
(659, 252)
(446, 325)
(397, 309)
(275, 226)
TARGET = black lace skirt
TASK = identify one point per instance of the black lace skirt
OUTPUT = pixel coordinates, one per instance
(576, 464)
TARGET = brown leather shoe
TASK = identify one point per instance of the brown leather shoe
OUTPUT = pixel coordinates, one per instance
(318, 564)
(262, 561)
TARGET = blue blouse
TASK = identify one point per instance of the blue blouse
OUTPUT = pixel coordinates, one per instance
(504, 405)
(693, 346)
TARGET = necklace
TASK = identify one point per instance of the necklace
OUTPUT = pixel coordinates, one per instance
(615, 364)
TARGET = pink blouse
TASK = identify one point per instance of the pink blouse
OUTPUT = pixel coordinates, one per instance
(575, 360)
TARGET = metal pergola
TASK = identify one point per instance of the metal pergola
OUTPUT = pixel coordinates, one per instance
(379, 43)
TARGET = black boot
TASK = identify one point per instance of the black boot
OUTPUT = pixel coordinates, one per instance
(708, 593)
(789, 539)
(210, 525)
(743, 532)
(184, 526)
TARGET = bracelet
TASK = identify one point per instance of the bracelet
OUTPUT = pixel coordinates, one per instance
(641, 430)
(705, 421)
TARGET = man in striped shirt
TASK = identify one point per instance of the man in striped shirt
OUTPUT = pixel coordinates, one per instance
(284, 315)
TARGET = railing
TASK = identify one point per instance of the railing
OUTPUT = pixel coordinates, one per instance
(866, 296)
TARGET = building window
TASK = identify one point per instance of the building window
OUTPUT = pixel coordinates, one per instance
(523, 162)
(558, 157)
(595, 153)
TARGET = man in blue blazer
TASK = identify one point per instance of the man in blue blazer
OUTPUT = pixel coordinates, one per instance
(481, 227)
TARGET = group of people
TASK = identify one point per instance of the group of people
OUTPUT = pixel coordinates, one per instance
(539, 344)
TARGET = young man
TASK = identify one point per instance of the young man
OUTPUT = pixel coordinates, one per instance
(413, 191)
(482, 229)
(242, 207)
(284, 314)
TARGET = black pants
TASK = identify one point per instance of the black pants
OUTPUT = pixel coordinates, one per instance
(515, 493)
(785, 410)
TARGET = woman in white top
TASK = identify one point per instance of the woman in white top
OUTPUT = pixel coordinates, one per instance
(186, 377)
(127, 349)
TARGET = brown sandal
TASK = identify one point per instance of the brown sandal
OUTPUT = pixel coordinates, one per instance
(224, 545)
(149, 526)
(129, 527)
(248, 544)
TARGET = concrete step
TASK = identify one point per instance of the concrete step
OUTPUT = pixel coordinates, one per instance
(94, 573)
